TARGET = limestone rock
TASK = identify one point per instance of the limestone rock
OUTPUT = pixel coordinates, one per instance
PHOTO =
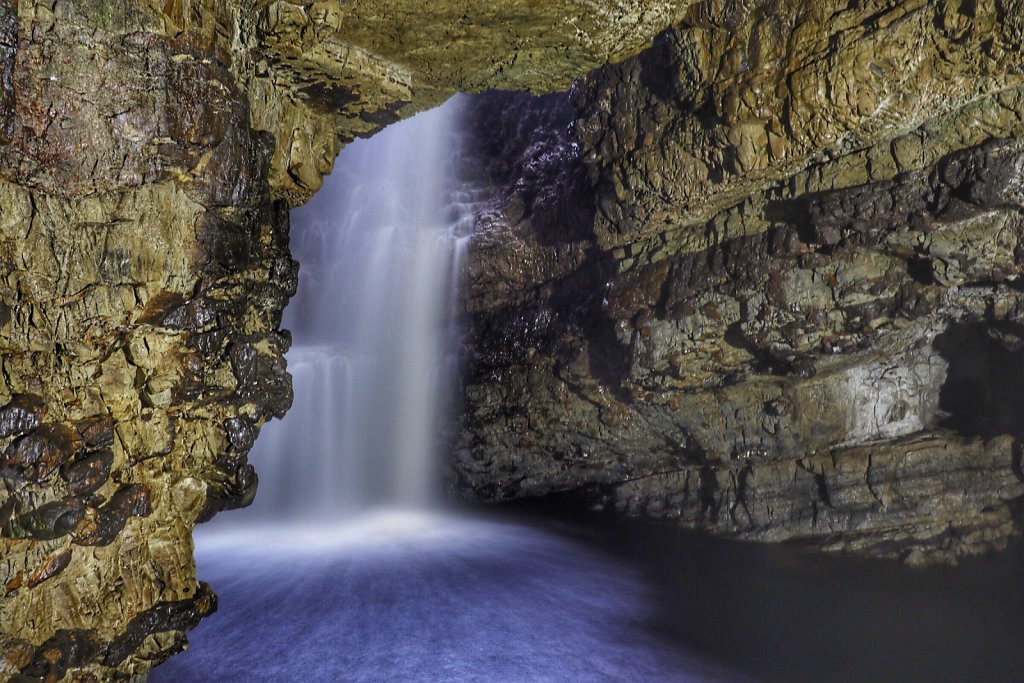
(139, 247)
(326, 72)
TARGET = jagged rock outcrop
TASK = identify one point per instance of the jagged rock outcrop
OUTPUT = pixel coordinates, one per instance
(150, 153)
(324, 72)
(144, 270)
(803, 241)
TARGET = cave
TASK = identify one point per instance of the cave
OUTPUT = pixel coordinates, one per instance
(669, 340)
(980, 397)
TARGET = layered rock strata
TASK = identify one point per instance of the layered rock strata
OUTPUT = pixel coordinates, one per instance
(785, 302)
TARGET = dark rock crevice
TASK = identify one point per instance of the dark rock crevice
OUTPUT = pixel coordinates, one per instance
(981, 396)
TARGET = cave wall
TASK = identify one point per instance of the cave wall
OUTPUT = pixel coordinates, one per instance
(741, 279)
(794, 208)
(151, 150)
(145, 267)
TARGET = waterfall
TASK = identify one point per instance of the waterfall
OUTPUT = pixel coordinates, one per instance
(372, 361)
(307, 592)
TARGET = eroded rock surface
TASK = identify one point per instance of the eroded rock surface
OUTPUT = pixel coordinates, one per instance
(767, 313)
(753, 289)
(144, 270)
(324, 72)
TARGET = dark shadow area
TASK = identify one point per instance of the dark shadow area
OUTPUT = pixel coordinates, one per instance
(579, 300)
(984, 390)
(523, 145)
(783, 613)
(524, 148)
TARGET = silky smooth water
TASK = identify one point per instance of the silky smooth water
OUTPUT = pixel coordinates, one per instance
(428, 597)
(373, 363)
(403, 596)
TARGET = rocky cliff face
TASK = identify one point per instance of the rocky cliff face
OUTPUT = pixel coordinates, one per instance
(786, 301)
(150, 153)
(768, 285)
(145, 267)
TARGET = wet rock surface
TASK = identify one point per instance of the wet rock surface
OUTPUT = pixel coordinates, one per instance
(768, 313)
(139, 246)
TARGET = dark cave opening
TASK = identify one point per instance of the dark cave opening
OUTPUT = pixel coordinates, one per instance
(983, 394)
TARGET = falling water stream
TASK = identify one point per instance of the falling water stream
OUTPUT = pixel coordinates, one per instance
(372, 364)
(347, 569)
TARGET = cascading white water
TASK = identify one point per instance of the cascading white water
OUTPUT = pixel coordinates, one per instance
(372, 361)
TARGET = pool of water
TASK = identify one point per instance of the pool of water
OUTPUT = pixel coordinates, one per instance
(422, 597)
(398, 596)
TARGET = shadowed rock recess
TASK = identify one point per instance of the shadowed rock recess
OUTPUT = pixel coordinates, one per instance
(761, 276)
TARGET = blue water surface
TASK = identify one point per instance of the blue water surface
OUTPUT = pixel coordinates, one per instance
(416, 597)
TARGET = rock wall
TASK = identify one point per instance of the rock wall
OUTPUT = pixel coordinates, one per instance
(767, 312)
(769, 285)
(151, 150)
(145, 267)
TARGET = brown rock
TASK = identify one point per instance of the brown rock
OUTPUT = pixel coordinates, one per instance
(102, 526)
(22, 414)
(88, 473)
(33, 457)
